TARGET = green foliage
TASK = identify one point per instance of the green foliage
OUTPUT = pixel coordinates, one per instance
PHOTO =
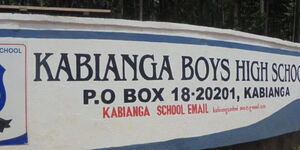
(268, 17)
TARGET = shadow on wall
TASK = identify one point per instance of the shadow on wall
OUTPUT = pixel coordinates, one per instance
(289, 141)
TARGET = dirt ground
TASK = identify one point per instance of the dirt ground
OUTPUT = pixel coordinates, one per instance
(289, 141)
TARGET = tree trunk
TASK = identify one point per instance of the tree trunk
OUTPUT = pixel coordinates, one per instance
(264, 11)
(121, 9)
(262, 7)
(297, 30)
(141, 10)
(266, 19)
(236, 15)
(223, 14)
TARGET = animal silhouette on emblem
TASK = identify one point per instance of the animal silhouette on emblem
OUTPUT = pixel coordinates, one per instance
(3, 123)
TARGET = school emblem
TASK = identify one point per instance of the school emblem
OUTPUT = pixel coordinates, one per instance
(13, 123)
(2, 88)
(3, 123)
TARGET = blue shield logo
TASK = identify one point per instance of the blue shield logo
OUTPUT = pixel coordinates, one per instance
(2, 88)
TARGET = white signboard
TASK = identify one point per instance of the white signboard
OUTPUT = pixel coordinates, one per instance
(96, 87)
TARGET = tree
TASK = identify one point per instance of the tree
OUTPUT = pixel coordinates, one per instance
(276, 18)
(297, 21)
